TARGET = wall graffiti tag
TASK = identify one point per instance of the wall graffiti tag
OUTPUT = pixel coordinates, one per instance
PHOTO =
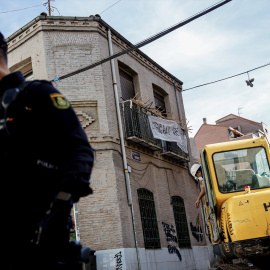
(196, 232)
(170, 232)
(118, 259)
(171, 238)
(174, 249)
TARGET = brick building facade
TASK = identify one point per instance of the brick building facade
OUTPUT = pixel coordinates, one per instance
(229, 127)
(158, 226)
(241, 124)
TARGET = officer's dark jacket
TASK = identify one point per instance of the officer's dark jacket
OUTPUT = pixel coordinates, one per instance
(43, 149)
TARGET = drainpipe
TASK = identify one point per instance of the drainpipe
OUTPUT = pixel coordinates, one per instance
(177, 102)
(181, 118)
(122, 142)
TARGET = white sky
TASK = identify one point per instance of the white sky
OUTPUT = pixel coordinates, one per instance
(230, 40)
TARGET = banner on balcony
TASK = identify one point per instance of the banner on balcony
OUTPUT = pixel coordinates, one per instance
(168, 130)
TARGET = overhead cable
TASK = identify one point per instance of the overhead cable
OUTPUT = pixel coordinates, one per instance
(109, 7)
(19, 9)
(225, 78)
(146, 41)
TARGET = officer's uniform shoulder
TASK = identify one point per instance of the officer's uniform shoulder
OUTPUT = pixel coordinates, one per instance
(42, 92)
(40, 86)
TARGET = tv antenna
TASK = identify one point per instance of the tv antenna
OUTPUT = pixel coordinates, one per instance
(50, 8)
(239, 111)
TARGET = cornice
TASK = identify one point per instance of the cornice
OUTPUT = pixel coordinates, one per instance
(85, 24)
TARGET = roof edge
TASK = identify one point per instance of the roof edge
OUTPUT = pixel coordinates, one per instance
(220, 120)
(96, 18)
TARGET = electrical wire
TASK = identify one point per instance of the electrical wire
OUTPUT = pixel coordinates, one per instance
(225, 78)
(19, 9)
(145, 168)
(139, 169)
(143, 174)
(140, 176)
(110, 6)
(146, 41)
(182, 23)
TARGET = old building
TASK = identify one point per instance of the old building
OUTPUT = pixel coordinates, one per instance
(244, 125)
(229, 127)
(142, 213)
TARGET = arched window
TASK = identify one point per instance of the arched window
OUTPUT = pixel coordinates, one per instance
(149, 218)
(180, 221)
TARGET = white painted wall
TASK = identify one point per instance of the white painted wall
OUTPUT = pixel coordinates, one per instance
(195, 258)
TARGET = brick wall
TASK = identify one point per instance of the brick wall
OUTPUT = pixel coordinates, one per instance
(208, 134)
(246, 126)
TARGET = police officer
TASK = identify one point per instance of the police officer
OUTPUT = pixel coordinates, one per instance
(45, 165)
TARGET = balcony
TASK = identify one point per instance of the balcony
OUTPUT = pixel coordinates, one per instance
(171, 149)
(137, 127)
(138, 130)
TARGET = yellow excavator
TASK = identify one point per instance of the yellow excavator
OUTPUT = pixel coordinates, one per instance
(237, 183)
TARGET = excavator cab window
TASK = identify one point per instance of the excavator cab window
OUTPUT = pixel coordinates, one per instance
(239, 168)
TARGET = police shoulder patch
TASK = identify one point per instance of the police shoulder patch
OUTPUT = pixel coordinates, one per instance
(59, 101)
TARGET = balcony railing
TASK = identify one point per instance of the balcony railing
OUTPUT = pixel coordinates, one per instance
(171, 149)
(138, 130)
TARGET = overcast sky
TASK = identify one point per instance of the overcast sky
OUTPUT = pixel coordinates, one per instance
(230, 40)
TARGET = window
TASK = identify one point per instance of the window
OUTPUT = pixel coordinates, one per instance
(29, 76)
(243, 167)
(132, 123)
(160, 106)
(25, 67)
(27, 71)
(180, 221)
(160, 103)
(148, 218)
(127, 85)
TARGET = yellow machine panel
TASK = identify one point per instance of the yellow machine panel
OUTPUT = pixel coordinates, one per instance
(248, 216)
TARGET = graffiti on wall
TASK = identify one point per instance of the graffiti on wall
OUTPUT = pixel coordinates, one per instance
(118, 260)
(171, 239)
(197, 230)
(174, 249)
(169, 232)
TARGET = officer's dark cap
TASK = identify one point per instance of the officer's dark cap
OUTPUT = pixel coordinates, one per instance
(3, 43)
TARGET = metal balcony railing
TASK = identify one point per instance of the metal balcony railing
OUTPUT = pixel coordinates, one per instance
(171, 149)
(138, 129)
(137, 126)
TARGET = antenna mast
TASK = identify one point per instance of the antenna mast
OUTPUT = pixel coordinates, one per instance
(239, 111)
(49, 7)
